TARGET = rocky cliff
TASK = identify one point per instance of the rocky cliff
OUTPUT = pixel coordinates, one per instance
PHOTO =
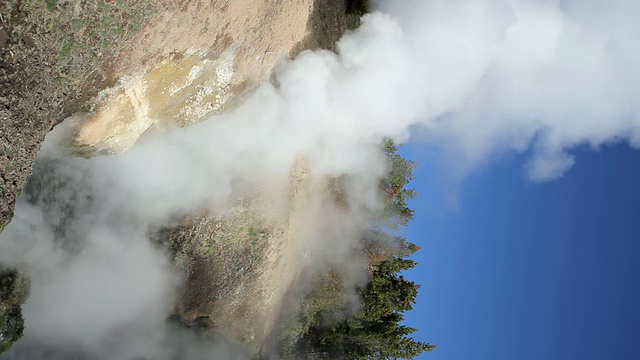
(117, 70)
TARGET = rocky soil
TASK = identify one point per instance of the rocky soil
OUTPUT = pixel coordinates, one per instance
(109, 63)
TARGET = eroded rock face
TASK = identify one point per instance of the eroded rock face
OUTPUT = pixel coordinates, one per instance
(187, 62)
(57, 57)
(206, 56)
(176, 91)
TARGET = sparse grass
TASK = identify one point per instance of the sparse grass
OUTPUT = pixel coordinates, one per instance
(119, 30)
(88, 27)
(52, 5)
(67, 47)
(241, 236)
(76, 42)
(134, 27)
(59, 54)
(254, 232)
(7, 151)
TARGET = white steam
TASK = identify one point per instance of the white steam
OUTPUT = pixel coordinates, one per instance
(547, 75)
(477, 76)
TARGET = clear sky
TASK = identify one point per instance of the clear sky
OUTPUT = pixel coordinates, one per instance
(521, 270)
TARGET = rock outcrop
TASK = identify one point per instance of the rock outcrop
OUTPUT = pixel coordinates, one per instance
(120, 69)
(123, 67)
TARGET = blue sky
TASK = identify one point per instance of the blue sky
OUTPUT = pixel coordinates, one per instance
(521, 270)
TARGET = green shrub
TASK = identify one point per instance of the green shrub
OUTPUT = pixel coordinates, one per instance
(14, 289)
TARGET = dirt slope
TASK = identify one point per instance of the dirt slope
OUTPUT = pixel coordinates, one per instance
(238, 266)
(56, 55)
(122, 67)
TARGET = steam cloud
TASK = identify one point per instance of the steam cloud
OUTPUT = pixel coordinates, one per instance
(515, 75)
(475, 77)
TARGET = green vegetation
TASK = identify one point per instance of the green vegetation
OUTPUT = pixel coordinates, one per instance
(375, 331)
(336, 321)
(14, 289)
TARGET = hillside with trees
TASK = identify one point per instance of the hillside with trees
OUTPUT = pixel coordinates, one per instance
(334, 322)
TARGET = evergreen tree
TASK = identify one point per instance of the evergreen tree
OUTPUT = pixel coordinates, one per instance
(397, 212)
(375, 331)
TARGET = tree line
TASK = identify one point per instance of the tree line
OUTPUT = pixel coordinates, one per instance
(335, 323)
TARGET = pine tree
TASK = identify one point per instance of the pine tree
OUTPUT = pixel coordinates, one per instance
(375, 331)
(397, 212)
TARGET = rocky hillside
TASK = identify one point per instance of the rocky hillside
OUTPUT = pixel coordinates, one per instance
(118, 69)
(122, 67)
